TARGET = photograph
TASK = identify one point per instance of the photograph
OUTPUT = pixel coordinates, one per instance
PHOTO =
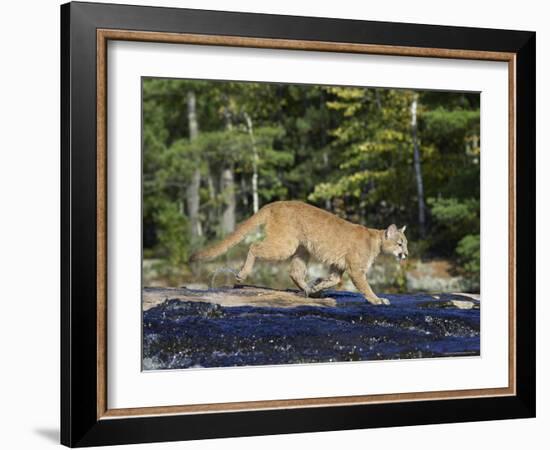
(296, 223)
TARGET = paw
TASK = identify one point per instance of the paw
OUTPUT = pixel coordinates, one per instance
(315, 294)
(311, 290)
(378, 301)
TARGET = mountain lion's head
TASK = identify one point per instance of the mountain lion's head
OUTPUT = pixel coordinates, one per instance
(394, 242)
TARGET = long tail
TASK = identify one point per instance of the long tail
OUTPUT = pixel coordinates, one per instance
(234, 238)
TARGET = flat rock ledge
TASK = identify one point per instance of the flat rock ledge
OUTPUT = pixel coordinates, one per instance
(236, 296)
(243, 295)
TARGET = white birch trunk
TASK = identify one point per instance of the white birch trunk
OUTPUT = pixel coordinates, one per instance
(192, 190)
(227, 188)
(255, 196)
(418, 168)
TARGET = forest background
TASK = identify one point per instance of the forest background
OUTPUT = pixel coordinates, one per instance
(214, 152)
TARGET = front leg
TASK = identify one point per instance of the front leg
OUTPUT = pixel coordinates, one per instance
(360, 281)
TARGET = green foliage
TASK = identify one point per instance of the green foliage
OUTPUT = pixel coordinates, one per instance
(469, 251)
(455, 214)
(373, 144)
(173, 241)
(450, 128)
(454, 219)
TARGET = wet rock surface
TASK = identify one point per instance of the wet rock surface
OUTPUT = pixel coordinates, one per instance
(186, 328)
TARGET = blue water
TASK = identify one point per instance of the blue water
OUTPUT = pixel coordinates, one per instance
(179, 335)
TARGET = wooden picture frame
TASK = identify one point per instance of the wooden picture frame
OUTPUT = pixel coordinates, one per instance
(86, 418)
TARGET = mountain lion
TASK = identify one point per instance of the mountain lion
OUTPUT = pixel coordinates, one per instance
(297, 230)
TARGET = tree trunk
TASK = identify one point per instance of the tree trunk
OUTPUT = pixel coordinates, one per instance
(227, 186)
(418, 169)
(212, 210)
(255, 196)
(326, 162)
(328, 202)
(192, 190)
(244, 193)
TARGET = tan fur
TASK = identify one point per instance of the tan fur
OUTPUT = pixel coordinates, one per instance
(296, 231)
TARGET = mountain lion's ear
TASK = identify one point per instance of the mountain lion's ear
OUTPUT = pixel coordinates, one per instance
(390, 231)
(403, 229)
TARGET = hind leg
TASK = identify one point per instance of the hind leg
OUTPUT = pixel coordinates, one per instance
(247, 267)
(270, 250)
(298, 269)
(333, 279)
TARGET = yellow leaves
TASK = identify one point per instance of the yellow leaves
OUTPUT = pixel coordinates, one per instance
(375, 147)
(352, 185)
(323, 190)
(348, 109)
(428, 151)
(472, 145)
(350, 100)
(392, 135)
(348, 93)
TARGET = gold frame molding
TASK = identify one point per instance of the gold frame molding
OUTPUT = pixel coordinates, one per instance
(103, 36)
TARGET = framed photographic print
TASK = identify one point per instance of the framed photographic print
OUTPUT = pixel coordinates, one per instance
(276, 224)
